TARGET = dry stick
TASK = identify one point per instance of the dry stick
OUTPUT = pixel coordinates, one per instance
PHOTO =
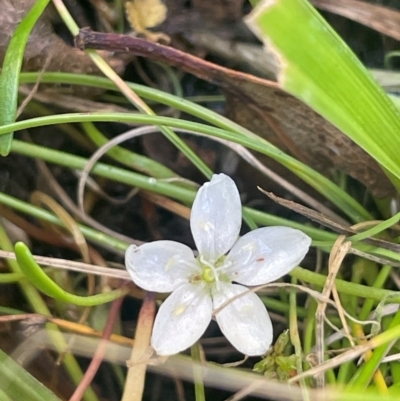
(100, 351)
(137, 365)
(339, 251)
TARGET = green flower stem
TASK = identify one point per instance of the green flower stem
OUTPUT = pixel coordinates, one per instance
(195, 352)
(45, 284)
(338, 196)
(39, 306)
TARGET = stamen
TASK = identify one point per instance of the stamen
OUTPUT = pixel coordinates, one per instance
(213, 269)
(226, 265)
(193, 265)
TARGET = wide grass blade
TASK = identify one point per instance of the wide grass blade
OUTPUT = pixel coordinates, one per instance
(317, 67)
(18, 384)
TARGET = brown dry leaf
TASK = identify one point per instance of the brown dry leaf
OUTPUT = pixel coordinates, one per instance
(382, 19)
(263, 107)
(143, 14)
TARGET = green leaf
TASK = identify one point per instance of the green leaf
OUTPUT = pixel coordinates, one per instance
(18, 384)
(44, 283)
(317, 67)
(9, 78)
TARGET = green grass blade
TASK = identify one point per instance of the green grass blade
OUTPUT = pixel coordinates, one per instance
(9, 78)
(248, 139)
(17, 384)
(324, 73)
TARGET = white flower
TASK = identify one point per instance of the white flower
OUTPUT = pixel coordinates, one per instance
(201, 285)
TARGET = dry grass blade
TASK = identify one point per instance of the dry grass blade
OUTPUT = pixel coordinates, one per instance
(339, 251)
(326, 222)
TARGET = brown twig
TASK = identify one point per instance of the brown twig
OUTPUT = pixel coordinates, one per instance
(100, 352)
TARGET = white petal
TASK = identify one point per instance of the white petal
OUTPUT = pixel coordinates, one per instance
(266, 254)
(182, 319)
(216, 217)
(161, 266)
(245, 321)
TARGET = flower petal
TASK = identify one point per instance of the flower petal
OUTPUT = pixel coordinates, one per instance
(216, 217)
(161, 266)
(182, 319)
(266, 254)
(245, 321)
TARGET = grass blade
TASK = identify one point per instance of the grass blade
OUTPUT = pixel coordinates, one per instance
(18, 384)
(9, 78)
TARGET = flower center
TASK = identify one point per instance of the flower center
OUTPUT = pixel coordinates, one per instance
(213, 272)
(208, 275)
